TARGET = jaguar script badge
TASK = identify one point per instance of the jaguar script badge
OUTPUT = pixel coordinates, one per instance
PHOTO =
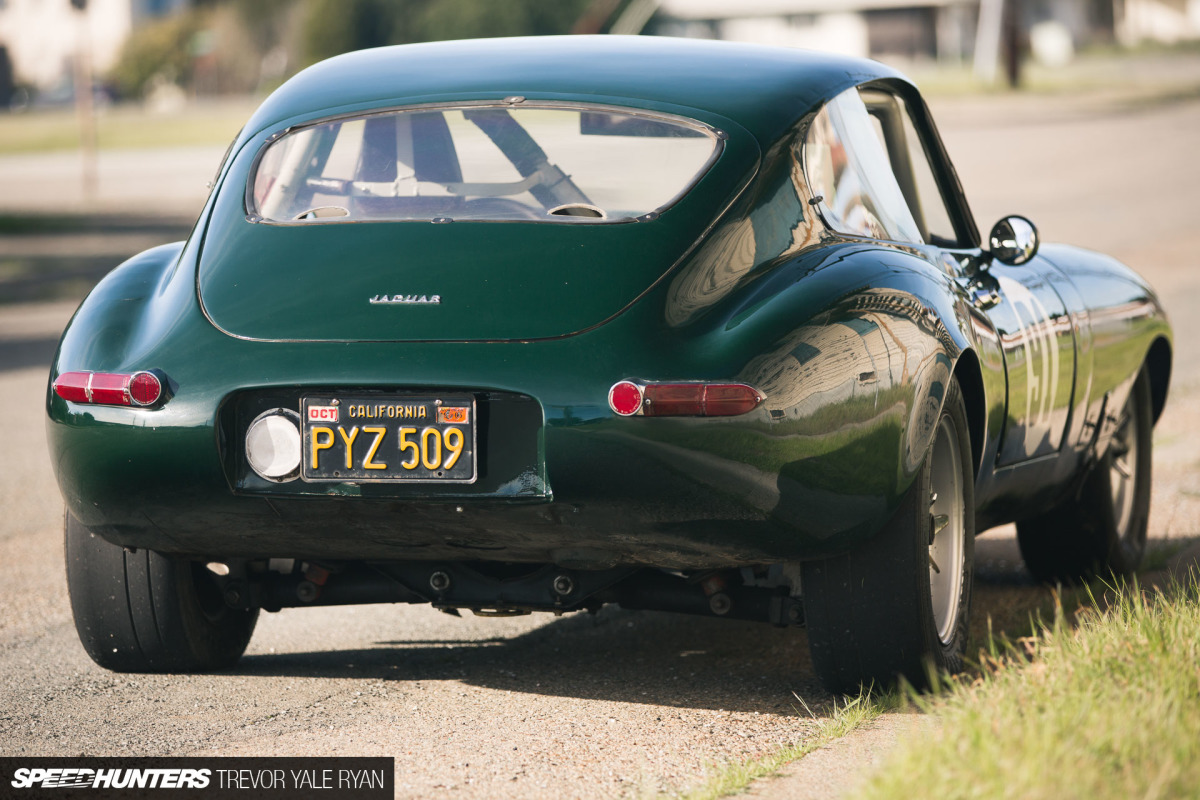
(408, 299)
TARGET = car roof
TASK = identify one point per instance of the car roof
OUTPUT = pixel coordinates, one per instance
(763, 89)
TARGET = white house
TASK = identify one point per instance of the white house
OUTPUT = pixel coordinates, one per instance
(43, 36)
(906, 28)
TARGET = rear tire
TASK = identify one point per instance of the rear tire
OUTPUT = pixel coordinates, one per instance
(1101, 532)
(144, 612)
(899, 604)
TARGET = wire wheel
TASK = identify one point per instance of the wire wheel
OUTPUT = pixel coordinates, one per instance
(946, 549)
(1100, 529)
(1123, 467)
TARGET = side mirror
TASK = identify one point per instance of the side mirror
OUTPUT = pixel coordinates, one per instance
(1014, 241)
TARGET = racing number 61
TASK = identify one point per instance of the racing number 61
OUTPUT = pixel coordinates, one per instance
(429, 448)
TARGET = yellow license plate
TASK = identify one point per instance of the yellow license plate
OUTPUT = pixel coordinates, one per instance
(392, 438)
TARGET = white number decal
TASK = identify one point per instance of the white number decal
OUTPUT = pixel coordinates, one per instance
(1041, 354)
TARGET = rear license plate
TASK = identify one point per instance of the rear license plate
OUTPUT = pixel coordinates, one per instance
(392, 439)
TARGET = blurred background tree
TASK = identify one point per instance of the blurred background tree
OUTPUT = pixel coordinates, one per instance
(339, 26)
(159, 50)
(225, 46)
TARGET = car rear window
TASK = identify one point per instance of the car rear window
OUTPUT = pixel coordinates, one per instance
(481, 162)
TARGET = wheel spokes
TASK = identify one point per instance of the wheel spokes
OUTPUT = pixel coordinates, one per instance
(1123, 465)
(1120, 439)
(1120, 466)
(946, 530)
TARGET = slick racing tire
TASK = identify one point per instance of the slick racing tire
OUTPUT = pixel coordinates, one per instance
(144, 612)
(898, 605)
(1100, 532)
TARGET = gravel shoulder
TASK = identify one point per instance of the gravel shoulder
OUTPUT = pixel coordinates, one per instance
(839, 768)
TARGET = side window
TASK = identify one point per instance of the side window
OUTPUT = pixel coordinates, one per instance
(849, 167)
(911, 167)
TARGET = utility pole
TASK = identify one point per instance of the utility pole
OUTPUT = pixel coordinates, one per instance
(1012, 43)
(987, 39)
(84, 105)
(998, 40)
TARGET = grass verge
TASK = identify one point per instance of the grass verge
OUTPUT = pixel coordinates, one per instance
(1107, 709)
(732, 779)
(125, 126)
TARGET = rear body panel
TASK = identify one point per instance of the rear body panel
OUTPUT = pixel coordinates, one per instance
(818, 466)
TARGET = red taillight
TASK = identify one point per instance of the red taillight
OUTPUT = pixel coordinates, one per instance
(674, 400)
(625, 398)
(730, 399)
(73, 386)
(683, 399)
(109, 388)
(145, 388)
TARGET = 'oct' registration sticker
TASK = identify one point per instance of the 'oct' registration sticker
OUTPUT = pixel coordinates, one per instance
(323, 413)
(454, 414)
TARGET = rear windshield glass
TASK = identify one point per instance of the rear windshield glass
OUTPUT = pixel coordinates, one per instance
(481, 162)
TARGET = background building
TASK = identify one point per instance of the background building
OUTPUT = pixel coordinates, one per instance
(42, 37)
(193, 48)
(912, 29)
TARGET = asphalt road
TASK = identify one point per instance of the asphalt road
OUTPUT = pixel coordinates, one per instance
(623, 703)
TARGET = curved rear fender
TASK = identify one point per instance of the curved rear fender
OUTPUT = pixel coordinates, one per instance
(100, 333)
(854, 346)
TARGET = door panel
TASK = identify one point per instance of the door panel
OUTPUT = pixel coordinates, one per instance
(1038, 341)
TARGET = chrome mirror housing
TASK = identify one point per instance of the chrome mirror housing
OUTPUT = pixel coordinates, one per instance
(1014, 240)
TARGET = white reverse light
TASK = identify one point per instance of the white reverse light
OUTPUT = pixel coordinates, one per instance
(273, 445)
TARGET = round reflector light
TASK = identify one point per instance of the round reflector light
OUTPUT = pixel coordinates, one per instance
(273, 445)
(144, 388)
(625, 398)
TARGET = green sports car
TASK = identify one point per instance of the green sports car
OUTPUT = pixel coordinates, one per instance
(543, 324)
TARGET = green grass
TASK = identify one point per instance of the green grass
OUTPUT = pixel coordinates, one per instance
(732, 779)
(125, 127)
(1107, 709)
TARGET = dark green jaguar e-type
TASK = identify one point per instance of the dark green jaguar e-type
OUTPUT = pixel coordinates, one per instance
(542, 324)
